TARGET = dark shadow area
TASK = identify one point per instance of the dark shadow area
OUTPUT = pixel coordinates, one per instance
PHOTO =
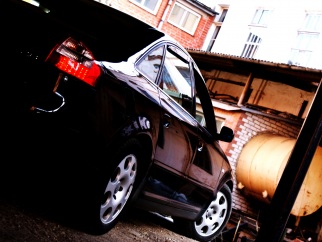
(47, 175)
(44, 172)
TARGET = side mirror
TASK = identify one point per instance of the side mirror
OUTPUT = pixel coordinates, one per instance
(226, 134)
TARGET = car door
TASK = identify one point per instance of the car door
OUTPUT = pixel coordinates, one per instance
(170, 69)
(182, 174)
(188, 147)
(171, 66)
(174, 150)
(185, 147)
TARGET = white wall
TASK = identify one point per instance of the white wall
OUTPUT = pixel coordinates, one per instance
(278, 37)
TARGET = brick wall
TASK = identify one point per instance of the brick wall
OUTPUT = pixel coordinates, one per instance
(187, 40)
(247, 125)
(130, 8)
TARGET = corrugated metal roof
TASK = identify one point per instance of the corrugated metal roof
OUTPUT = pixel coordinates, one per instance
(301, 77)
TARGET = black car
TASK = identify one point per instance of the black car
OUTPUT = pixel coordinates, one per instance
(102, 112)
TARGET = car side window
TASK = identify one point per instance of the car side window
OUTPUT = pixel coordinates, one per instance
(150, 64)
(176, 78)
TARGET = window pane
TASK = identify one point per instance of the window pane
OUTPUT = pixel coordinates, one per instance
(313, 22)
(189, 22)
(261, 17)
(176, 80)
(150, 65)
(151, 4)
(176, 14)
(173, 78)
(184, 18)
(213, 39)
(306, 41)
(251, 46)
(264, 18)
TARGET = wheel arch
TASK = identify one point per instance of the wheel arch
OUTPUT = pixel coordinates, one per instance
(230, 184)
(226, 179)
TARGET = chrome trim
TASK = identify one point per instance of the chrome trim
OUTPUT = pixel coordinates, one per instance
(33, 108)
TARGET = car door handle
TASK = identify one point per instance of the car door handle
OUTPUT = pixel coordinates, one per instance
(166, 120)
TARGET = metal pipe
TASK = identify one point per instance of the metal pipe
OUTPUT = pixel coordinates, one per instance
(164, 15)
(246, 88)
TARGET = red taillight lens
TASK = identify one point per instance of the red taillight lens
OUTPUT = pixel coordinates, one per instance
(75, 59)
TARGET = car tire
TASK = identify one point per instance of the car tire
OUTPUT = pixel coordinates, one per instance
(117, 187)
(213, 220)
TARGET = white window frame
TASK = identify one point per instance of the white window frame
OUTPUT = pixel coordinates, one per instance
(213, 37)
(261, 17)
(187, 10)
(312, 22)
(223, 15)
(307, 38)
(141, 5)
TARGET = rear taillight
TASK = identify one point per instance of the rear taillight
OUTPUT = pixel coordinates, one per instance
(74, 58)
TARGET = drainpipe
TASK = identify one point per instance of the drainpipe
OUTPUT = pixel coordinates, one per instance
(246, 88)
(164, 14)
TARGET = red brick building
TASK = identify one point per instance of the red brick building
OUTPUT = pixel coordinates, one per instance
(187, 21)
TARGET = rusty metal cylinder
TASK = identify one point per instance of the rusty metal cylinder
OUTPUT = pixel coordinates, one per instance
(260, 167)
